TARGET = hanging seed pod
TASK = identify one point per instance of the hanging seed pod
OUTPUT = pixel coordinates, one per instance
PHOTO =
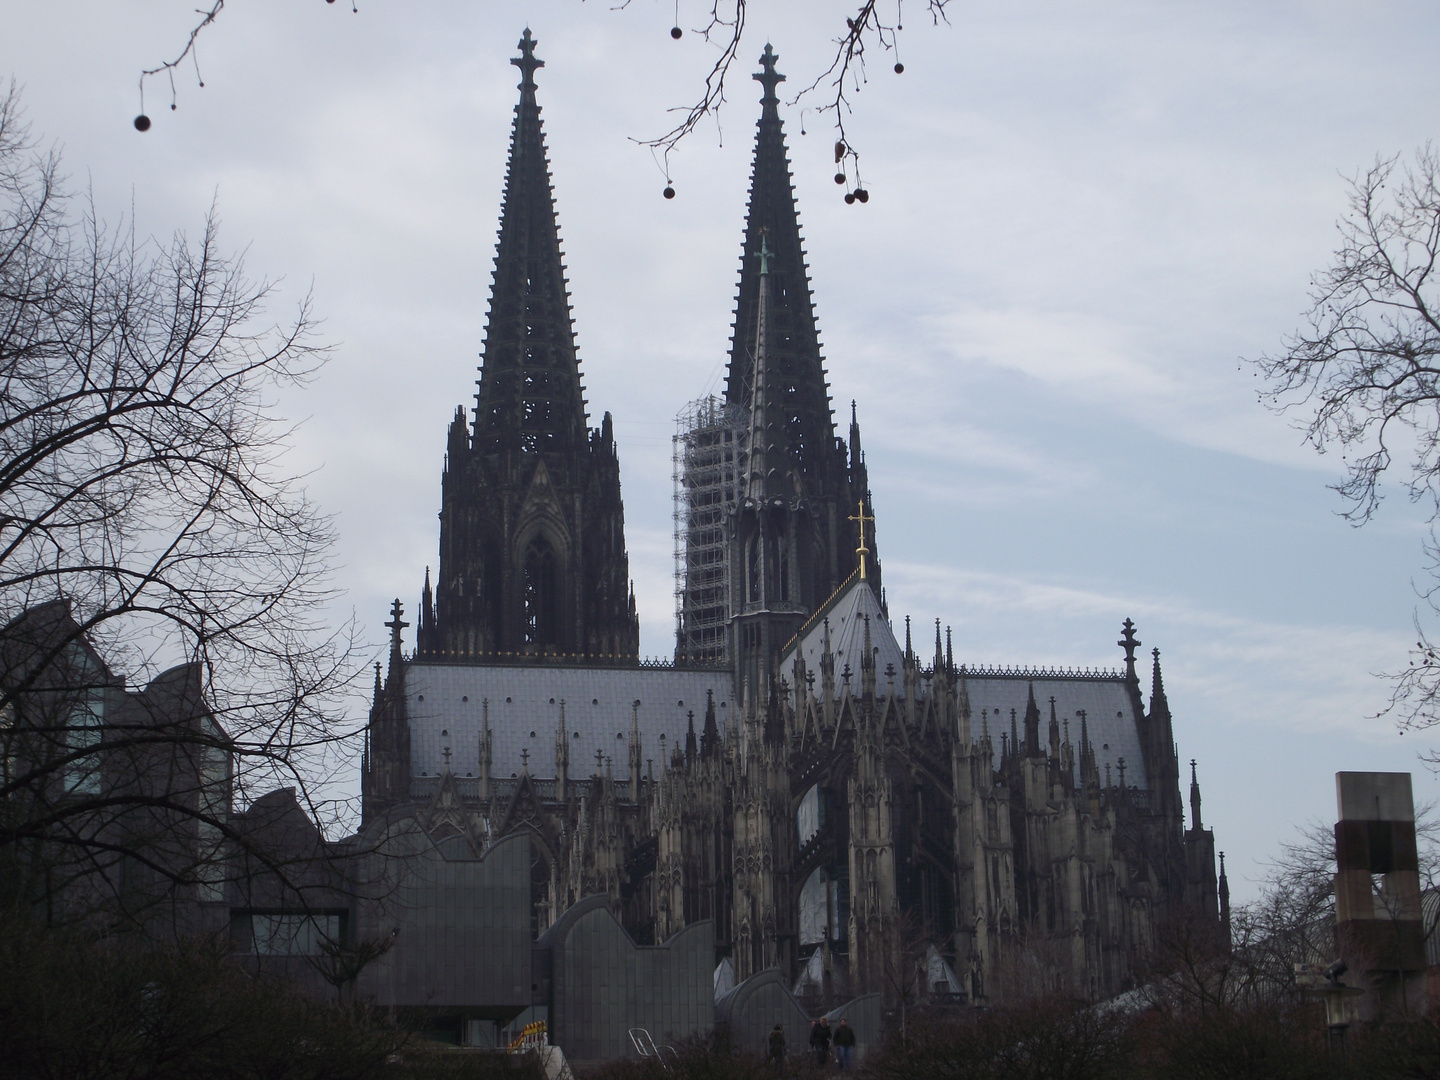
(839, 178)
(849, 199)
(839, 151)
(669, 192)
(899, 68)
(676, 32)
(142, 122)
(862, 194)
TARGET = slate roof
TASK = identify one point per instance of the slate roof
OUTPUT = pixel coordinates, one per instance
(445, 703)
(846, 611)
(1109, 715)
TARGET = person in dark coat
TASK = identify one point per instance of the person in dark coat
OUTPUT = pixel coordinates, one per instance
(776, 1053)
(844, 1045)
(820, 1040)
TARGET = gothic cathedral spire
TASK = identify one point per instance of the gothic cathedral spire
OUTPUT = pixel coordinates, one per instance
(532, 527)
(815, 465)
(795, 533)
(529, 398)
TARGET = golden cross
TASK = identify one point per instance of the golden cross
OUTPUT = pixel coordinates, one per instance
(861, 551)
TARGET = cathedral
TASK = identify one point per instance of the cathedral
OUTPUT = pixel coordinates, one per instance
(851, 806)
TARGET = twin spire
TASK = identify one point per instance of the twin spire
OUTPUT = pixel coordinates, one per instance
(529, 395)
(774, 281)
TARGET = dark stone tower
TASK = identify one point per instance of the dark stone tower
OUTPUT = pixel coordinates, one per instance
(793, 533)
(532, 528)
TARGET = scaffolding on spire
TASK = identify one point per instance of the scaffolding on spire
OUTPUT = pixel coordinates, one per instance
(709, 450)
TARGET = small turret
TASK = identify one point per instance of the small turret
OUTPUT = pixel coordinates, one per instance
(827, 677)
(486, 753)
(1159, 703)
(1224, 890)
(867, 664)
(636, 754)
(774, 733)
(692, 749)
(710, 737)
(424, 631)
(1032, 725)
(1194, 798)
(1054, 732)
(562, 753)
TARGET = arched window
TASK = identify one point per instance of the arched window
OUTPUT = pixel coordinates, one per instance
(783, 577)
(542, 608)
(754, 583)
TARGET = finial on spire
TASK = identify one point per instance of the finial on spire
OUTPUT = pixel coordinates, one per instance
(527, 61)
(1224, 890)
(1195, 822)
(395, 625)
(1129, 642)
(769, 78)
(861, 551)
(764, 251)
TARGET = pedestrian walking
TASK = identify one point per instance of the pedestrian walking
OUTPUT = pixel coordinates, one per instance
(820, 1040)
(844, 1045)
(776, 1052)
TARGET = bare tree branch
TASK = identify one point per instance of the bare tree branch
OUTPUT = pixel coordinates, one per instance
(1363, 376)
(142, 122)
(725, 26)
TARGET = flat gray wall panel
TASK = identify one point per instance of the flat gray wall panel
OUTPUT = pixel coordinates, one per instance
(604, 984)
(461, 927)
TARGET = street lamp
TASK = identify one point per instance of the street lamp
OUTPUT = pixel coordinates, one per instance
(1334, 992)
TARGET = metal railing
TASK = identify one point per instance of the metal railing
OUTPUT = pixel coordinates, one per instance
(645, 1046)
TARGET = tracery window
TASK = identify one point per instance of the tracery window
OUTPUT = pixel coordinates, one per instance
(541, 594)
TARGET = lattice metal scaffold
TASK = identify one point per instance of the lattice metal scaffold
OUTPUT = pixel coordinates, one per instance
(709, 452)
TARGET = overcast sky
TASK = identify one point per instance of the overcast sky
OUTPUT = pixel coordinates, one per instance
(1083, 217)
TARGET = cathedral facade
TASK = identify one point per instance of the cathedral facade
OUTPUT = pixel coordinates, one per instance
(858, 814)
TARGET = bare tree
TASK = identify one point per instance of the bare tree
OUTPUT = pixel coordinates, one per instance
(1364, 374)
(147, 521)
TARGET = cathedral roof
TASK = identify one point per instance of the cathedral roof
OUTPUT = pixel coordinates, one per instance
(845, 614)
(446, 706)
(1105, 700)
